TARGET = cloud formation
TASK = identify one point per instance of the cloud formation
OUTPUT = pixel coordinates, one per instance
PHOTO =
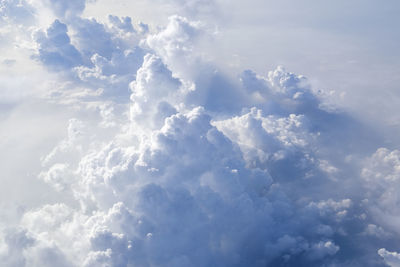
(169, 161)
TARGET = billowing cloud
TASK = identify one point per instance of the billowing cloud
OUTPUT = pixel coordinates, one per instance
(55, 48)
(381, 178)
(167, 160)
(391, 258)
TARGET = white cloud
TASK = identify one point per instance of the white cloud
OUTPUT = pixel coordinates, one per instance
(266, 138)
(381, 174)
(154, 94)
(391, 258)
(167, 159)
(55, 48)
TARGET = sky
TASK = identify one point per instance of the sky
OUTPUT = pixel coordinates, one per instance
(199, 133)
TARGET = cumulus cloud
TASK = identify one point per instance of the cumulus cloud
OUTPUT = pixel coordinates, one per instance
(182, 179)
(381, 178)
(267, 138)
(169, 161)
(391, 258)
(55, 48)
(153, 92)
(100, 57)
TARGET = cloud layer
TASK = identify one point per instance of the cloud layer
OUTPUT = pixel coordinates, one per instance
(170, 161)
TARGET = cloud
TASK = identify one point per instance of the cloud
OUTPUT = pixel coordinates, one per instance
(267, 138)
(153, 92)
(176, 44)
(176, 175)
(381, 177)
(67, 9)
(321, 249)
(191, 8)
(391, 258)
(101, 57)
(167, 160)
(182, 179)
(14, 11)
(16, 241)
(55, 49)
